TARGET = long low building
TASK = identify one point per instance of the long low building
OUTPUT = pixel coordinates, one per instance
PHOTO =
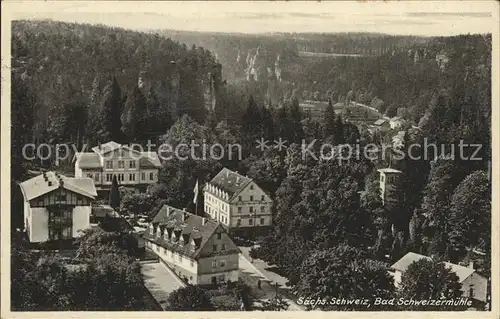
(197, 249)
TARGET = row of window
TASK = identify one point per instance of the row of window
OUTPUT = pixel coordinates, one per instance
(121, 177)
(172, 254)
(250, 209)
(62, 198)
(262, 198)
(121, 164)
(221, 263)
(250, 221)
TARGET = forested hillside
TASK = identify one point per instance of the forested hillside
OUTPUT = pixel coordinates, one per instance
(83, 78)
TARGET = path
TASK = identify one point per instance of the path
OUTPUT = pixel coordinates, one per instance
(251, 275)
(160, 281)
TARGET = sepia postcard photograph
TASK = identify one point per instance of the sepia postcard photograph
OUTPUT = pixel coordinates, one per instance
(238, 159)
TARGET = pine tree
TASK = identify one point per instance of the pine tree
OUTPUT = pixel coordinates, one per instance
(296, 133)
(111, 108)
(134, 116)
(114, 194)
(328, 122)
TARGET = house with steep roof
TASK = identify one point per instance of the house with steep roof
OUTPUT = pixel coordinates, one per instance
(56, 207)
(131, 167)
(237, 201)
(382, 125)
(197, 249)
(474, 285)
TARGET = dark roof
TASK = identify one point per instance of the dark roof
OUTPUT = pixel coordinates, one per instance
(115, 225)
(103, 211)
(185, 223)
(230, 182)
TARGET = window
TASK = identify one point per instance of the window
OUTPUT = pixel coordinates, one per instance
(121, 164)
(219, 236)
(143, 176)
(251, 187)
(97, 177)
(214, 248)
(192, 265)
(223, 246)
(382, 178)
(221, 278)
(132, 164)
(214, 263)
(132, 177)
(263, 198)
(180, 258)
(60, 224)
(109, 164)
(262, 221)
(172, 253)
(239, 209)
(239, 198)
(251, 209)
(262, 209)
(471, 291)
(222, 263)
(61, 198)
(251, 198)
(250, 221)
(151, 176)
(89, 175)
(40, 202)
(109, 177)
(238, 223)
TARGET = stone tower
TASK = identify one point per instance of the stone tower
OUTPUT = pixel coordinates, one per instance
(389, 189)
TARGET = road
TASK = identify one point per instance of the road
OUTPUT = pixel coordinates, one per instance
(160, 281)
(251, 275)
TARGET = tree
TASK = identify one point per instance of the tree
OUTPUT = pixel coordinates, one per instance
(351, 275)
(114, 194)
(429, 280)
(328, 122)
(190, 298)
(276, 303)
(96, 242)
(470, 210)
(111, 108)
(134, 116)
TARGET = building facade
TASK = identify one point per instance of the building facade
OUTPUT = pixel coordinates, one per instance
(197, 249)
(237, 201)
(56, 207)
(130, 166)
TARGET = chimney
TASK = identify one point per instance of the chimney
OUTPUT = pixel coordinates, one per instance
(186, 215)
(203, 221)
(471, 264)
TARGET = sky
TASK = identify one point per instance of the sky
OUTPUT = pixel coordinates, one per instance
(401, 17)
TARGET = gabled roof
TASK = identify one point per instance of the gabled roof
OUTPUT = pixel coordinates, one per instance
(407, 260)
(106, 147)
(93, 159)
(230, 182)
(39, 185)
(461, 271)
(388, 170)
(197, 227)
(149, 160)
(379, 122)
